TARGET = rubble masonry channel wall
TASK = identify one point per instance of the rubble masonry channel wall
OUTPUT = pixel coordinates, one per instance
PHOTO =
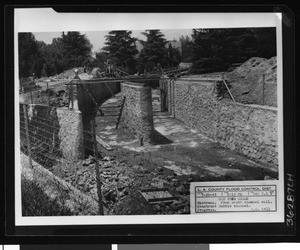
(59, 127)
(248, 129)
(137, 112)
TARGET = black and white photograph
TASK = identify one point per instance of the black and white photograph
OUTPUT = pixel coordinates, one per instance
(171, 120)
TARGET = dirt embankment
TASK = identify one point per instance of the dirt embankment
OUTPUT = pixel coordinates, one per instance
(57, 96)
(255, 81)
(57, 93)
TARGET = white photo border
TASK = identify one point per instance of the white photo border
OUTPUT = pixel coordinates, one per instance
(47, 20)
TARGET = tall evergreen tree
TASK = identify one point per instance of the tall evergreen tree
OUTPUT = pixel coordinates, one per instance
(76, 49)
(30, 59)
(186, 48)
(216, 49)
(174, 56)
(121, 48)
(53, 55)
(266, 41)
(154, 49)
(100, 59)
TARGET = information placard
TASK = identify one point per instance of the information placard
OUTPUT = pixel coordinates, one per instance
(239, 197)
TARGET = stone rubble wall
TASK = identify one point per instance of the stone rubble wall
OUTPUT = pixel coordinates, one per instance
(248, 129)
(137, 112)
(58, 127)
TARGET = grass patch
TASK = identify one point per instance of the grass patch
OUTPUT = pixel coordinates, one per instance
(36, 203)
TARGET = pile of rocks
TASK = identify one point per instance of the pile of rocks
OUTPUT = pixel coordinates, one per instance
(121, 185)
(51, 97)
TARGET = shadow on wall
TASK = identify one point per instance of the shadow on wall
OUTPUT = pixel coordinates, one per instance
(100, 92)
(54, 133)
(43, 129)
(247, 129)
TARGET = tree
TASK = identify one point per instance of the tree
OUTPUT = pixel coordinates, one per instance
(100, 58)
(202, 57)
(30, 59)
(266, 41)
(174, 56)
(76, 49)
(154, 50)
(186, 49)
(53, 56)
(216, 49)
(121, 48)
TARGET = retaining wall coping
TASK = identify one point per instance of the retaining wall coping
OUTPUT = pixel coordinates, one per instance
(135, 84)
(59, 108)
(256, 106)
(207, 83)
(199, 79)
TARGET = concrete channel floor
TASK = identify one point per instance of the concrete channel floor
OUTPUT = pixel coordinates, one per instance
(181, 149)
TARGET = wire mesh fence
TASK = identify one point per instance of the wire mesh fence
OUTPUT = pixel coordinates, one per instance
(40, 140)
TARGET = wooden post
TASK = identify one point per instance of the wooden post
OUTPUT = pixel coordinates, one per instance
(228, 90)
(31, 97)
(121, 111)
(48, 94)
(72, 96)
(263, 85)
(69, 101)
(169, 104)
(222, 86)
(161, 95)
(173, 101)
(27, 134)
(93, 99)
(101, 212)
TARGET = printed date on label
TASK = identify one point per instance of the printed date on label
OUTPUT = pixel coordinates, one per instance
(254, 198)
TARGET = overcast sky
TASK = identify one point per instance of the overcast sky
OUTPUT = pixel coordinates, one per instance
(97, 38)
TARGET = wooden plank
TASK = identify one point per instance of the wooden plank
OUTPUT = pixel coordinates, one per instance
(103, 143)
(114, 80)
(98, 179)
(200, 79)
(123, 72)
(228, 90)
(166, 199)
(93, 99)
(116, 106)
(27, 134)
(263, 83)
(159, 195)
(120, 114)
(154, 190)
